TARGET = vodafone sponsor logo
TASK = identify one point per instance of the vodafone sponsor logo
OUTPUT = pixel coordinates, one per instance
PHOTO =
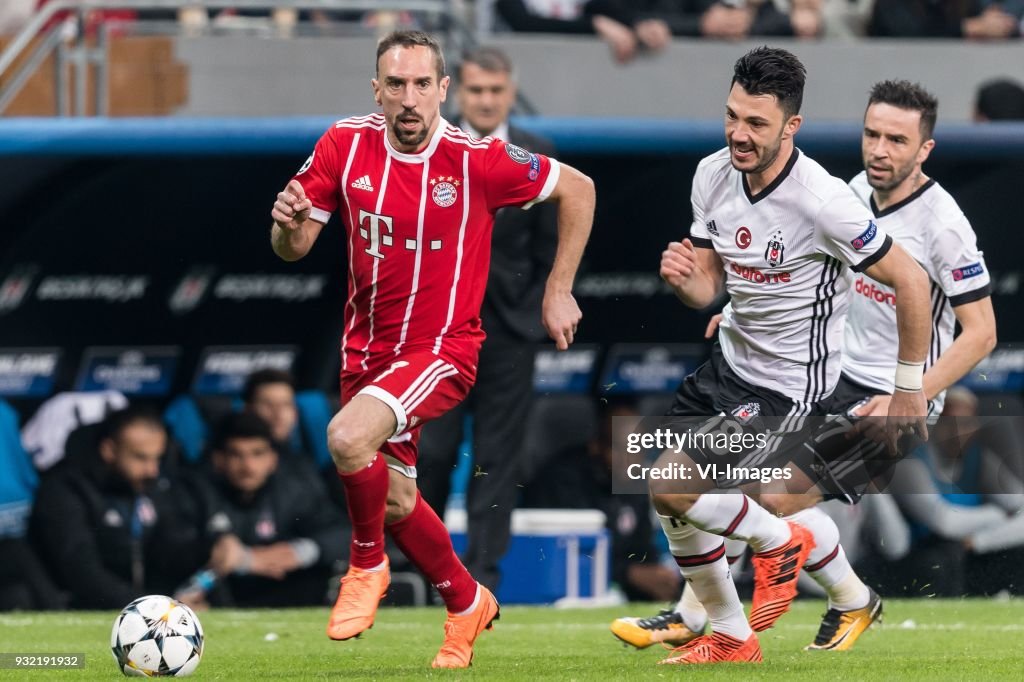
(757, 277)
(869, 290)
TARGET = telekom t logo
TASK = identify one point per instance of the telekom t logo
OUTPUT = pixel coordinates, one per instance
(370, 229)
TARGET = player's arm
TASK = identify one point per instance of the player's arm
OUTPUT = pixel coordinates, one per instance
(959, 268)
(913, 301)
(576, 197)
(293, 233)
(900, 271)
(976, 340)
(692, 267)
(306, 203)
(695, 273)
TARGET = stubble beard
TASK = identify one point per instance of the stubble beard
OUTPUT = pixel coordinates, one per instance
(899, 176)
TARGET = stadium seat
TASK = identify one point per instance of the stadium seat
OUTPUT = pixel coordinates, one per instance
(18, 478)
(187, 426)
(315, 413)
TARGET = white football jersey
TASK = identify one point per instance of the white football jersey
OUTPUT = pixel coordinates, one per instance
(786, 254)
(931, 227)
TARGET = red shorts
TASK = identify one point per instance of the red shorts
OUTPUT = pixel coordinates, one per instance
(418, 386)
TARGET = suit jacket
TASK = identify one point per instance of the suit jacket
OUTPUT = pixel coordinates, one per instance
(522, 251)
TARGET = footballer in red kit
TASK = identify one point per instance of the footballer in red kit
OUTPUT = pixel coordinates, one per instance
(418, 256)
(417, 198)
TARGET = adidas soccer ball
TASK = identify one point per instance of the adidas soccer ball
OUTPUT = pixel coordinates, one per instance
(156, 636)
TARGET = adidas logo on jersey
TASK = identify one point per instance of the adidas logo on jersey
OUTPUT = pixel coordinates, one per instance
(363, 183)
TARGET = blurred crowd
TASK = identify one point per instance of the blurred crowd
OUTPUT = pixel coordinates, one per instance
(628, 26)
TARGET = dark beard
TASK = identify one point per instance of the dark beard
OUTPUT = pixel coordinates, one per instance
(770, 156)
(408, 138)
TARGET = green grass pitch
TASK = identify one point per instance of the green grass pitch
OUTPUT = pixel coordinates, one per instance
(926, 639)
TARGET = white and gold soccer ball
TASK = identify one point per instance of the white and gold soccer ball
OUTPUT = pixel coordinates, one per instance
(156, 636)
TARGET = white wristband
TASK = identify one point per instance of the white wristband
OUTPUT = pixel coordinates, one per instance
(909, 376)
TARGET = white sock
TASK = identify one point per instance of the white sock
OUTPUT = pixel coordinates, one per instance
(472, 607)
(713, 587)
(735, 550)
(689, 607)
(739, 517)
(710, 580)
(831, 568)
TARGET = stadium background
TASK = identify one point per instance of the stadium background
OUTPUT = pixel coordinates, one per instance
(141, 244)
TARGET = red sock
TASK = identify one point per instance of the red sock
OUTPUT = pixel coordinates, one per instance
(366, 492)
(423, 538)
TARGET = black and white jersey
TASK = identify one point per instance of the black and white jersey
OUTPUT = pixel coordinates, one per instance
(931, 227)
(786, 254)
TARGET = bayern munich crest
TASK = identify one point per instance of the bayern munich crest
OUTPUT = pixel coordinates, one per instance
(445, 191)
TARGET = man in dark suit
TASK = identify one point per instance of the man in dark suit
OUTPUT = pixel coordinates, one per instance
(523, 249)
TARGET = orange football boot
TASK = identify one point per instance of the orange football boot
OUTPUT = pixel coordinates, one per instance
(716, 648)
(775, 574)
(461, 631)
(361, 592)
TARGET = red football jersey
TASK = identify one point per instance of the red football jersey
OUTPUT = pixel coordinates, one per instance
(419, 231)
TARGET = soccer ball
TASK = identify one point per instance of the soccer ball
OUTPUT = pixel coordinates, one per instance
(156, 636)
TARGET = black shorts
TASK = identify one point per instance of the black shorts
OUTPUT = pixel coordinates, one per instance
(845, 468)
(729, 404)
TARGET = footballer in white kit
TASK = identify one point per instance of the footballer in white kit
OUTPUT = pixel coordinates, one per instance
(928, 223)
(780, 236)
(921, 216)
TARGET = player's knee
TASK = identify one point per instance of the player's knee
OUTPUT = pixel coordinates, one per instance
(784, 504)
(350, 445)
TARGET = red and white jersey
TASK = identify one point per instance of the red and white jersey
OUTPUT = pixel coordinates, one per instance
(419, 231)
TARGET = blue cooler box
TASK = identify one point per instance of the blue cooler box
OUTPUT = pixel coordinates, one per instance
(554, 554)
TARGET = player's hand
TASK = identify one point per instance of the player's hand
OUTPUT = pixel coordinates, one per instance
(292, 207)
(678, 263)
(560, 316)
(877, 406)
(907, 411)
(712, 327)
(871, 418)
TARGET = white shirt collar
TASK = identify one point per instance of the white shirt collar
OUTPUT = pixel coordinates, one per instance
(501, 132)
(418, 157)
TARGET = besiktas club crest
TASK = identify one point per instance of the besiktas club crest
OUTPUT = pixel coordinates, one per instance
(774, 253)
